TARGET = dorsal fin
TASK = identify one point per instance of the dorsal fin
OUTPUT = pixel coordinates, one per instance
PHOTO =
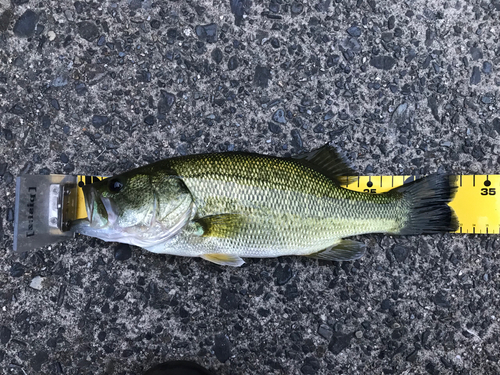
(329, 162)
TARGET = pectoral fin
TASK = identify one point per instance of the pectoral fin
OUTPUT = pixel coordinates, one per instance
(344, 251)
(222, 226)
(224, 259)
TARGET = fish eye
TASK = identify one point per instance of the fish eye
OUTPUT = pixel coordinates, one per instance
(115, 185)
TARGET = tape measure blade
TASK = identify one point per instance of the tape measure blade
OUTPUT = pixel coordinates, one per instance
(476, 202)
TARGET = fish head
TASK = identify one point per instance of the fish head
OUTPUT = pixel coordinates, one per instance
(120, 201)
(135, 207)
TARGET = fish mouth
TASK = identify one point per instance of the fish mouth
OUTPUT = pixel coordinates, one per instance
(89, 193)
(101, 211)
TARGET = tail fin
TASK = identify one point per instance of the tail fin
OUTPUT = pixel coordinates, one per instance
(427, 200)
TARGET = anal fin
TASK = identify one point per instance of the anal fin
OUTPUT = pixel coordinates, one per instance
(224, 259)
(345, 250)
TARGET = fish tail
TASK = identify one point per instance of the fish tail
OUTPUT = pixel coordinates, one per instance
(427, 202)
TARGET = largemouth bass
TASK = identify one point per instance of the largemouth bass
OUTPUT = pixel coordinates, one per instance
(227, 206)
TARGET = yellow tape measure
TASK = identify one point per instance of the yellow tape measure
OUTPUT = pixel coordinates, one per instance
(476, 202)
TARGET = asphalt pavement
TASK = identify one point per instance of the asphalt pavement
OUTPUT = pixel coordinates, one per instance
(401, 87)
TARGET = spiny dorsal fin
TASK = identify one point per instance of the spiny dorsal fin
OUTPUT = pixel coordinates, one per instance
(224, 259)
(329, 162)
(345, 250)
(222, 226)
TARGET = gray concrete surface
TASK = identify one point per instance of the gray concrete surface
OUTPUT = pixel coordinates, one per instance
(99, 87)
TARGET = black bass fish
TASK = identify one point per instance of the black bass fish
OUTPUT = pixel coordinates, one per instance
(227, 206)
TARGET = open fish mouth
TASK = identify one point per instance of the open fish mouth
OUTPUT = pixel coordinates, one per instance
(101, 217)
(101, 211)
(89, 194)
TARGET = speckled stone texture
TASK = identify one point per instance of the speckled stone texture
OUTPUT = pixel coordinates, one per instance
(97, 87)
